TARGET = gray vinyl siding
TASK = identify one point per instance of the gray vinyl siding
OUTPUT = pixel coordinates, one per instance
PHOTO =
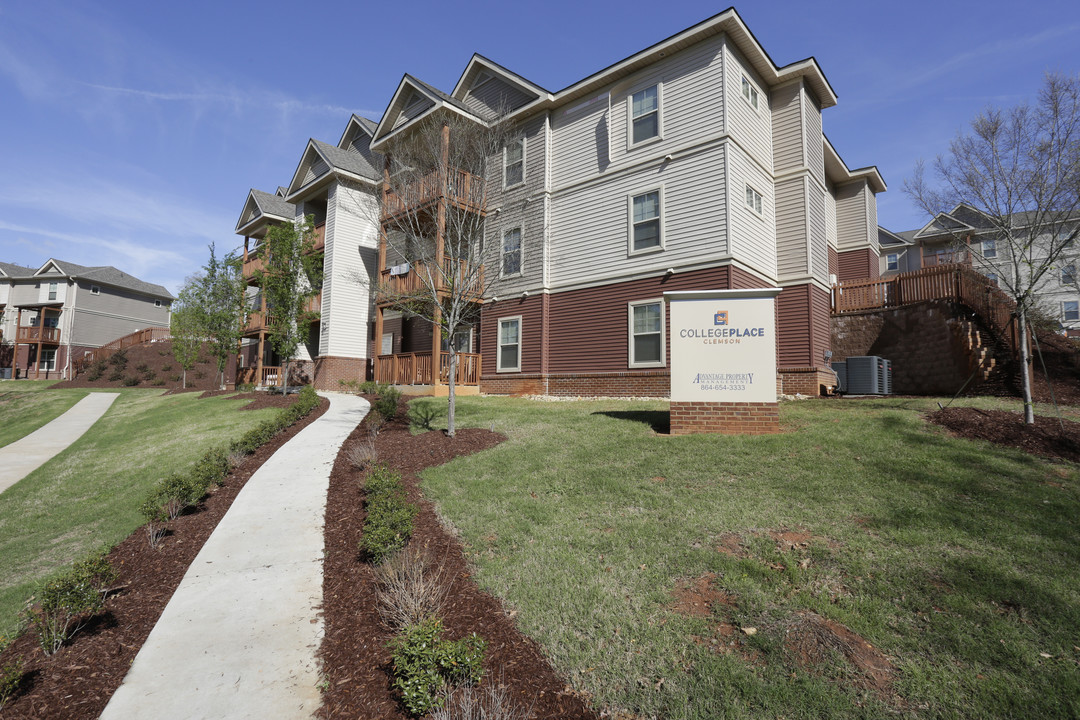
(787, 127)
(102, 318)
(819, 244)
(852, 231)
(751, 128)
(496, 97)
(520, 206)
(590, 223)
(830, 217)
(351, 252)
(791, 241)
(871, 220)
(316, 169)
(413, 111)
(590, 136)
(815, 143)
(753, 236)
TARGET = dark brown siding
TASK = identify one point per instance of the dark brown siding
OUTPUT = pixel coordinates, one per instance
(834, 262)
(793, 327)
(821, 335)
(857, 265)
(415, 335)
(531, 311)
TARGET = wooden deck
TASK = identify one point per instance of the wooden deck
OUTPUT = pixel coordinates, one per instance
(35, 334)
(463, 190)
(415, 369)
(414, 281)
(136, 338)
(957, 283)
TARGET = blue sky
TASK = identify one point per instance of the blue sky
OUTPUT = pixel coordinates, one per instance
(132, 131)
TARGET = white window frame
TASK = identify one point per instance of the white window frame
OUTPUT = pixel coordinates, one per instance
(54, 289)
(1068, 274)
(760, 200)
(631, 361)
(157, 303)
(1065, 311)
(51, 365)
(507, 185)
(988, 248)
(659, 247)
(750, 93)
(499, 344)
(892, 261)
(659, 115)
(95, 290)
(521, 252)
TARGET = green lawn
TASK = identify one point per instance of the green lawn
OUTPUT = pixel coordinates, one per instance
(24, 409)
(90, 493)
(957, 559)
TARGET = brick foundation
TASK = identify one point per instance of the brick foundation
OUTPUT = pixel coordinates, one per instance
(329, 371)
(740, 418)
(655, 383)
(804, 381)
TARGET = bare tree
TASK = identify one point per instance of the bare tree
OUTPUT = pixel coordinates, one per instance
(1019, 167)
(431, 210)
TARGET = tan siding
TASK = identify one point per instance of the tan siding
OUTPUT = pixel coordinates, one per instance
(871, 220)
(819, 244)
(791, 241)
(851, 216)
(351, 253)
(751, 128)
(830, 218)
(589, 227)
(521, 207)
(753, 236)
(815, 149)
(112, 314)
(787, 128)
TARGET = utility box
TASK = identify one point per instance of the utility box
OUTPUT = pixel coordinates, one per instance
(869, 375)
(5, 373)
(840, 368)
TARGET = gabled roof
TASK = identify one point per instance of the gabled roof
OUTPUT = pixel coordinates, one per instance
(407, 89)
(335, 160)
(366, 126)
(889, 238)
(260, 205)
(10, 270)
(838, 173)
(478, 64)
(106, 275)
(942, 222)
(53, 266)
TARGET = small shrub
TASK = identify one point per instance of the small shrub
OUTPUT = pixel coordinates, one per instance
(166, 367)
(149, 375)
(142, 367)
(67, 600)
(11, 676)
(155, 521)
(375, 421)
(371, 387)
(158, 383)
(390, 516)
(116, 376)
(175, 378)
(130, 381)
(350, 386)
(162, 351)
(178, 492)
(212, 467)
(245, 387)
(118, 359)
(363, 454)
(387, 404)
(199, 374)
(493, 701)
(409, 588)
(97, 369)
(424, 664)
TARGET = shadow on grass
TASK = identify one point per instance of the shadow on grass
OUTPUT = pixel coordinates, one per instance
(658, 420)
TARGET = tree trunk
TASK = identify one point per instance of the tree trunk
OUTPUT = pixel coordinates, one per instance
(1025, 365)
(451, 395)
(184, 382)
(285, 378)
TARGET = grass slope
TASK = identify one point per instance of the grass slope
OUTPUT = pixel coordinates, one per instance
(956, 559)
(24, 409)
(90, 493)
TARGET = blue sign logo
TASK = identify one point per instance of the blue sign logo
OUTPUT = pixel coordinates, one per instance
(720, 318)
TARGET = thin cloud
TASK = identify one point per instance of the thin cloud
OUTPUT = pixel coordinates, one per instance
(283, 104)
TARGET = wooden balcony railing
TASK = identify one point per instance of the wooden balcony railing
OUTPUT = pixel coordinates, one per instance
(255, 260)
(957, 283)
(415, 280)
(136, 338)
(463, 189)
(257, 321)
(415, 368)
(34, 334)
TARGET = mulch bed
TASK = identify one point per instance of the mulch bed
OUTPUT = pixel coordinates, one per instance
(354, 654)
(1044, 438)
(160, 370)
(78, 681)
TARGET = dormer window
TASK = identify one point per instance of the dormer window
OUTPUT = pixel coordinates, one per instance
(514, 163)
(95, 290)
(645, 114)
(749, 93)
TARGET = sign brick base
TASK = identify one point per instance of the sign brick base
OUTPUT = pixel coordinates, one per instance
(735, 418)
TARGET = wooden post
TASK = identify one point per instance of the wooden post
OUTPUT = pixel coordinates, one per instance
(15, 356)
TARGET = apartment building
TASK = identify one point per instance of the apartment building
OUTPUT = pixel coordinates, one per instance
(694, 164)
(967, 236)
(58, 312)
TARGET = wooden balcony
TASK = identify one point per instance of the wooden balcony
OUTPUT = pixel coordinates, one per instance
(34, 334)
(255, 260)
(463, 190)
(415, 369)
(257, 322)
(414, 281)
(270, 376)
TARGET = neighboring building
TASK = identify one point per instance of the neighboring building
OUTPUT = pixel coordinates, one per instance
(696, 163)
(55, 314)
(967, 236)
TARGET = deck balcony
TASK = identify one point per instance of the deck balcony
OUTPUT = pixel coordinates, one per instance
(463, 190)
(36, 334)
(415, 369)
(254, 260)
(397, 284)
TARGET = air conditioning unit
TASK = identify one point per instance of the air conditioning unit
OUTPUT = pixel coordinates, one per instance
(840, 368)
(869, 375)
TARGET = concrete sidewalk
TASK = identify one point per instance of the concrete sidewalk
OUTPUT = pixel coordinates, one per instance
(238, 638)
(26, 455)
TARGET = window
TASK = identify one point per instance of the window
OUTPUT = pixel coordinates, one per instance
(645, 114)
(462, 341)
(52, 291)
(48, 359)
(647, 333)
(157, 303)
(892, 261)
(1068, 275)
(749, 93)
(95, 290)
(1070, 310)
(645, 222)
(509, 359)
(514, 163)
(511, 252)
(753, 199)
(989, 248)
(992, 277)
